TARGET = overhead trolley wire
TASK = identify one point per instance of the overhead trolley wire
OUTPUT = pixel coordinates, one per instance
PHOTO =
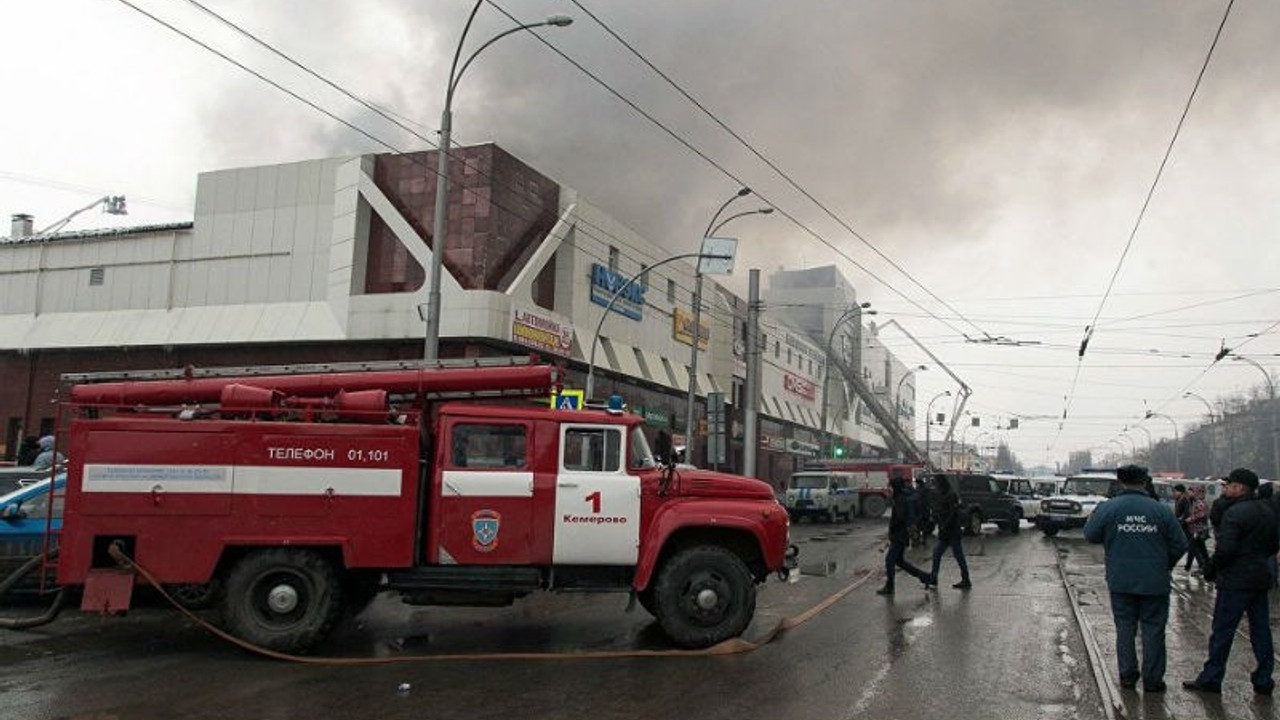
(1155, 182)
(779, 171)
(365, 103)
(728, 173)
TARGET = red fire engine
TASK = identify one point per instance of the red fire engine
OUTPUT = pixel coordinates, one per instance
(288, 495)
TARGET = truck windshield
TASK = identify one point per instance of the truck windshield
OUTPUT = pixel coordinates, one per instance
(809, 482)
(641, 456)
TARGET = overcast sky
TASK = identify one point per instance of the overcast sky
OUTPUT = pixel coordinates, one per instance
(997, 152)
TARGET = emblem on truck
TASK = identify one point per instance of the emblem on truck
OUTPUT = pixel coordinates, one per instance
(484, 530)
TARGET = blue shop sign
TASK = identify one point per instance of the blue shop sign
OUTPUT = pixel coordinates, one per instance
(605, 282)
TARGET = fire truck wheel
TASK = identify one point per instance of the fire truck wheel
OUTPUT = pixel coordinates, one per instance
(704, 595)
(283, 599)
(873, 506)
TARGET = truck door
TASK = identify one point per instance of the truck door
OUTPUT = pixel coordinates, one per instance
(597, 520)
(486, 493)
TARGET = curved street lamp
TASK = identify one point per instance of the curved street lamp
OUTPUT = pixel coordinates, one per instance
(928, 422)
(853, 311)
(595, 337)
(697, 317)
(440, 223)
(1133, 446)
(1207, 406)
(977, 446)
(1177, 462)
(1275, 425)
(897, 393)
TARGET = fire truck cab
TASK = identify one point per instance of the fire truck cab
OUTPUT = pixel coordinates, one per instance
(287, 498)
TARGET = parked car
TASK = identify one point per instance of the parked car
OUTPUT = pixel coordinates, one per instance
(1025, 491)
(983, 498)
(23, 522)
(17, 476)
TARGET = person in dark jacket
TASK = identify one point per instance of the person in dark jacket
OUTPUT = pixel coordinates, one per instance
(28, 450)
(1143, 542)
(1245, 537)
(900, 537)
(923, 526)
(946, 510)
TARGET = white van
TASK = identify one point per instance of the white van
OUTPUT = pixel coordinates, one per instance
(821, 494)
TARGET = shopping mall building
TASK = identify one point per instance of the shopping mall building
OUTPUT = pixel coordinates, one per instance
(326, 260)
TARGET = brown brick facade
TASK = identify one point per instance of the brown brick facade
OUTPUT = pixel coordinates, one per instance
(499, 211)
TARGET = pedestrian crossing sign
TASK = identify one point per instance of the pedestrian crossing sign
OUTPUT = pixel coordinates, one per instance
(567, 400)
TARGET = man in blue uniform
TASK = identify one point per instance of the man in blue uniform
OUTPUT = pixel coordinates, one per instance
(1143, 542)
(1245, 539)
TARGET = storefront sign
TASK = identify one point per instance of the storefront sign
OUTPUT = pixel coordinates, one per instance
(655, 417)
(682, 329)
(773, 442)
(605, 282)
(541, 331)
(797, 385)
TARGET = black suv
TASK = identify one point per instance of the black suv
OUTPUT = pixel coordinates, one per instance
(985, 499)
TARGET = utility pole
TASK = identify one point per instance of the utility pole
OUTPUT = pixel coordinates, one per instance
(750, 441)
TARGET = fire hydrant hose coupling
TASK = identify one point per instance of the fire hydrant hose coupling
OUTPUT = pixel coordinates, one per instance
(116, 551)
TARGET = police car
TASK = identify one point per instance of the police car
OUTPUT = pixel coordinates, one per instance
(23, 522)
(1080, 496)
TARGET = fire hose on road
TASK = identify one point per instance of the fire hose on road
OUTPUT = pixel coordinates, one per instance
(728, 647)
(35, 621)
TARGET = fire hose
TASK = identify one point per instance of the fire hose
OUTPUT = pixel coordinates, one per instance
(37, 620)
(733, 646)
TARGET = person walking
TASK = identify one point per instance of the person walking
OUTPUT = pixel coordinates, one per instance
(47, 457)
(946, 510)
(1143, 543)
(921, 525)
(1245, 537)
(1196, 528)
(900, 537)
(28, 450)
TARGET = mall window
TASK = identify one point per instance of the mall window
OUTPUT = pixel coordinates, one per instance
(613, 259)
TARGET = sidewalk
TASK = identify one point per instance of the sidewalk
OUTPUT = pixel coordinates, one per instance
(1186, 640)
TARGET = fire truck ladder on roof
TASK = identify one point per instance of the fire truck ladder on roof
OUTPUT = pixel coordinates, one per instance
(191, 372)
(360, 387)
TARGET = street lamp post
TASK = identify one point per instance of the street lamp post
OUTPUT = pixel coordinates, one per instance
(928, 422)
(853, 311)
(977, 447)
(1132, 445)
(1207, 406)
(897, 393)
(697, 318)
(1177, 462)
(595, 337)
(1151, 452)
(440, 226)
(1275, 426)
(1119, 445)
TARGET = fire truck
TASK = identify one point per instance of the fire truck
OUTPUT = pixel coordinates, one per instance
(287, 496)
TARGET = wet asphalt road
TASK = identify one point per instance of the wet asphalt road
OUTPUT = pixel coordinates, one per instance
(1009, 648)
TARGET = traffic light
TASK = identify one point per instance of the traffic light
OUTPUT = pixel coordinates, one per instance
(838, 451)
